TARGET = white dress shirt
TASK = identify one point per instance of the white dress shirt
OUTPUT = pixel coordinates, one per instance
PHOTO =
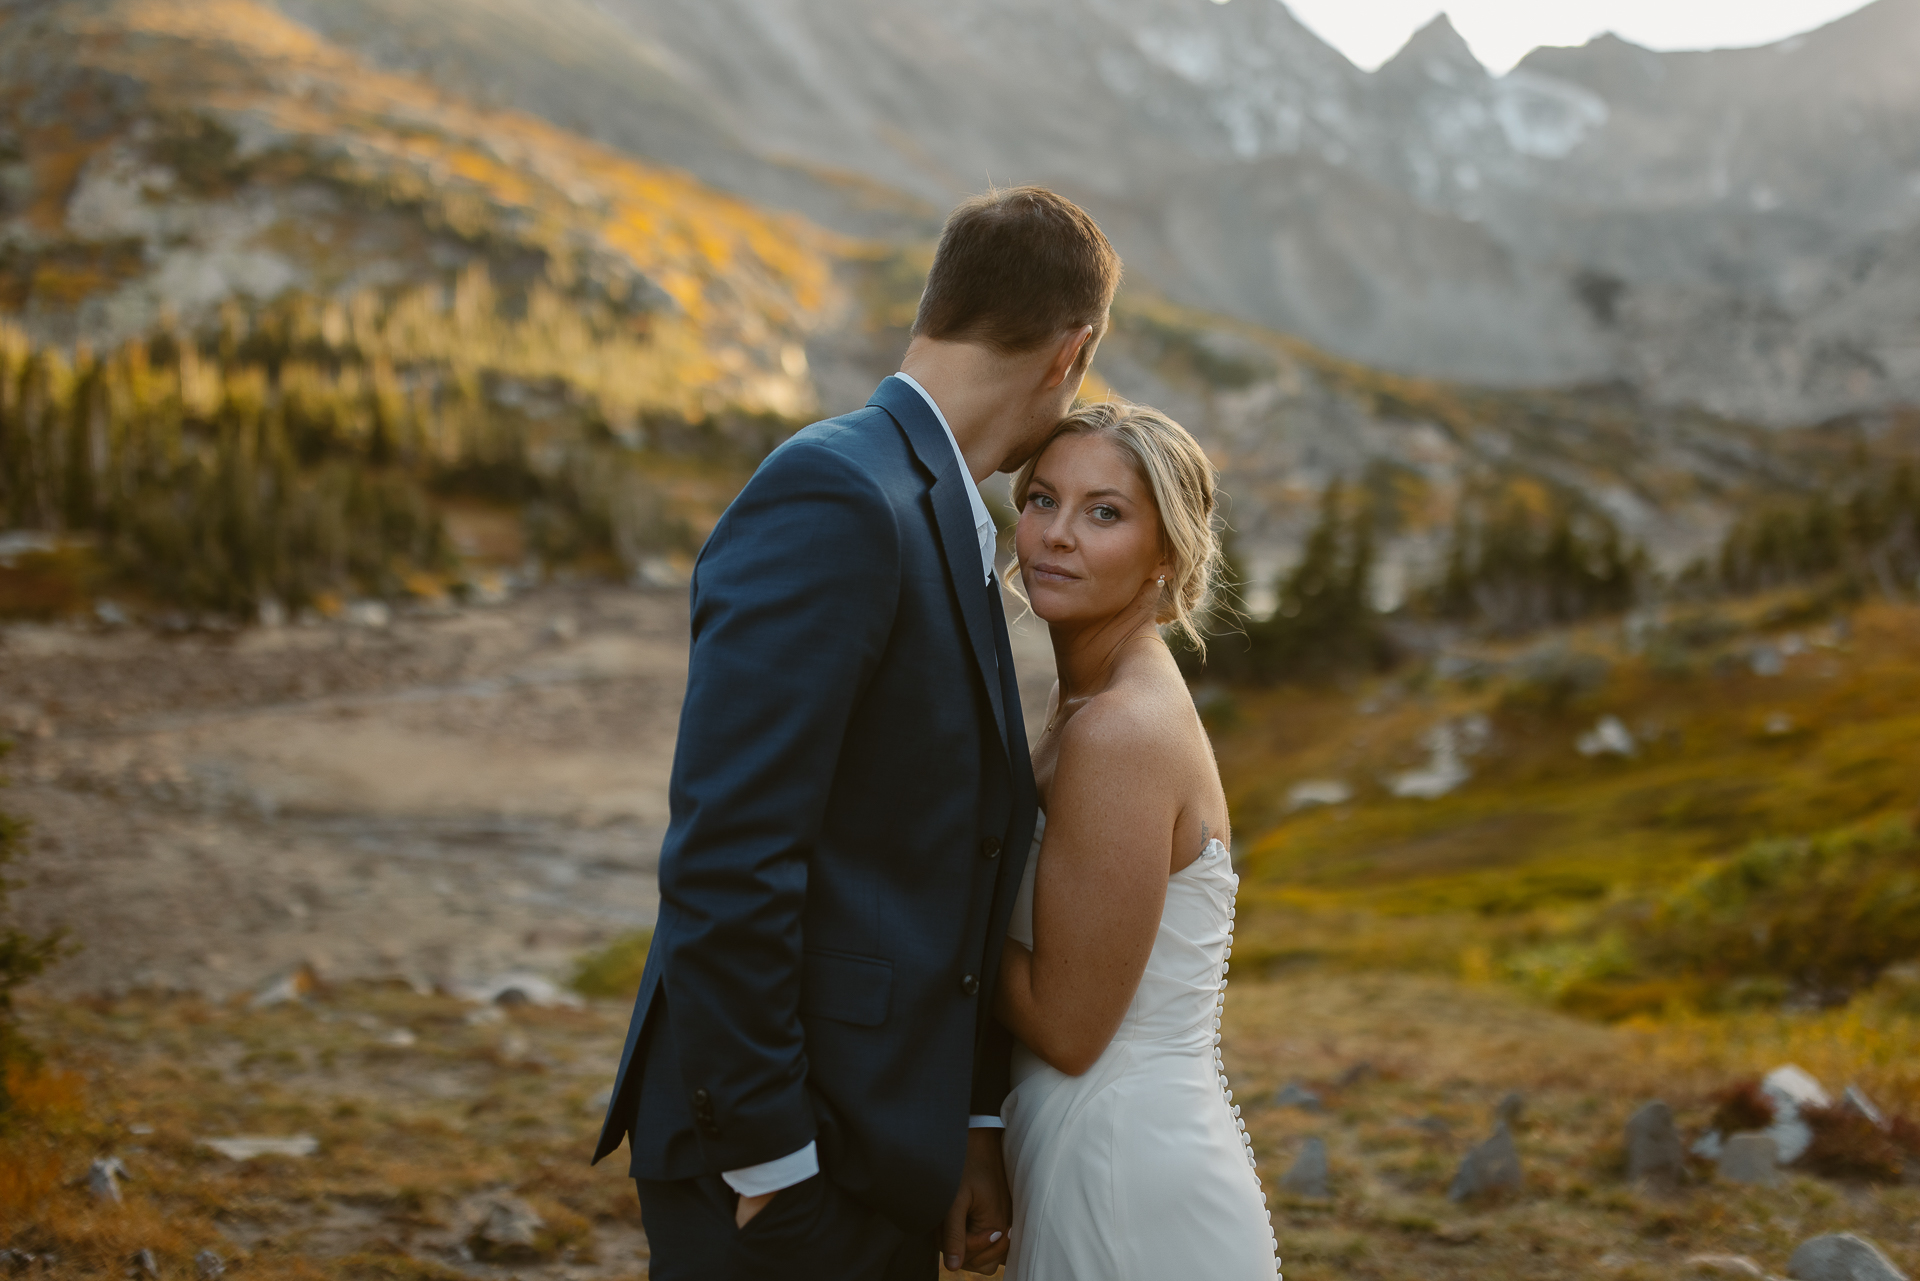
(798, 1167)
(983, 526)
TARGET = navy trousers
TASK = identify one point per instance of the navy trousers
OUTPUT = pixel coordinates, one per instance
(809, 1232)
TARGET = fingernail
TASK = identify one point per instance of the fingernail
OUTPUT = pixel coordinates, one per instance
(953, 1262)
(995, 1237)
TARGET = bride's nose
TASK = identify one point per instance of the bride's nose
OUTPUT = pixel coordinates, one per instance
(1058, 533)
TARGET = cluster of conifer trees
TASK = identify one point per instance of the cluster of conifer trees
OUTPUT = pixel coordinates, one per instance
(294, 453)
(1871, 540)
(1510, 569)
(1513, 570)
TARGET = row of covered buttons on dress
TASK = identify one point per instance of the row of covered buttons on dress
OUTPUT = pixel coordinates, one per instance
(1220, 1068)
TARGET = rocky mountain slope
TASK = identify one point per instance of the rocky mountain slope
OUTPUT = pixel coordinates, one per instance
(163, 158)
(1737, 229)
(168, 159)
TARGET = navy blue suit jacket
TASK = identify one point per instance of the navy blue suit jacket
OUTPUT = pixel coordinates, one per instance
(852, 805)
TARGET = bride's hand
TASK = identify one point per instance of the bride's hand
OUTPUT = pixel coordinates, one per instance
(975, 1235)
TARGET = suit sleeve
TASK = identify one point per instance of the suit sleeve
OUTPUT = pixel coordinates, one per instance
(992, 1068)
(793, 603)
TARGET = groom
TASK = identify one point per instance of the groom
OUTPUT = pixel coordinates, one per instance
(812, 1080)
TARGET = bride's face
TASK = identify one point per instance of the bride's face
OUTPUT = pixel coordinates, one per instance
(1089, 535)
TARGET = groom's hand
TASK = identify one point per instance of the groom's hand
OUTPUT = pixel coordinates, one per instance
(747, 1206)
(975, 1235)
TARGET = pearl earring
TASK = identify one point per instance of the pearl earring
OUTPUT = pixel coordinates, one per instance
(1163, 580)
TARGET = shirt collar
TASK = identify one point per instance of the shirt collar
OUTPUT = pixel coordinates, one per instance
(983, 526)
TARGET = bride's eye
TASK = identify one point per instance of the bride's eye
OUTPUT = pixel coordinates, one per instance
(1104, 512)
(1041, 501)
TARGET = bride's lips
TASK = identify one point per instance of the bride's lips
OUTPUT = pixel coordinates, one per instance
(1048, 572)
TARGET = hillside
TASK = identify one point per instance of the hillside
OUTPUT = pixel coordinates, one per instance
(1732, 229)
(168, 157)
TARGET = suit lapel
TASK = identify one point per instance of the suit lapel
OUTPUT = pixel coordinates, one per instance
(953, 516)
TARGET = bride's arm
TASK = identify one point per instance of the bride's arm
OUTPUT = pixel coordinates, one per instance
(1098, 891)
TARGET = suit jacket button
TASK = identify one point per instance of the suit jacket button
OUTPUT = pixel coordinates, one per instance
(970, 985)
(989, 847)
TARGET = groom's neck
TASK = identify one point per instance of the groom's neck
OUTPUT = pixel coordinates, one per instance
(988, 398)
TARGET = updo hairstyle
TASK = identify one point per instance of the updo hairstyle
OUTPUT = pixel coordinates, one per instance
(1181, 479)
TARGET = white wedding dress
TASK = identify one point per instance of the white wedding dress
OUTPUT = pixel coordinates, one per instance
(1140, 1169)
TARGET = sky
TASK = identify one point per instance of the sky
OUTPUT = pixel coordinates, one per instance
(1501, 32)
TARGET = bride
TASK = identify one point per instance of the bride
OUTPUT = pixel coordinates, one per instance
(1126, 1156)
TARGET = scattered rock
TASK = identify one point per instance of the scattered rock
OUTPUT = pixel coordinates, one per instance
(1654, 1154)
(1610, 737)
(1317, 791)
(561, 629)
(1295, 1095)
(103, 1179)
(15, 1262)
(520, 989)
(245, 1147)
(1749, 1158)
(367, 613)
(509, 1231)
(145, 1265)
(1855, 1100)
(1792, 1089)
(1448, 745)
(1510, 1110)
(1432, 1125)
(1841, 1256)
(1308, 1175)
(1359, 1072)
(295, 985)
(209, 1265)
(1724, 1265)
(1777, 725)
(1493, 1167)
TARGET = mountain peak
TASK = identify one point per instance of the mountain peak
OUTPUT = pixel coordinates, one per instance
(1436, 52)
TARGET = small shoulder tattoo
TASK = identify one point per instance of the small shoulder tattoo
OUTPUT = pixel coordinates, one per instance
(1203, 834)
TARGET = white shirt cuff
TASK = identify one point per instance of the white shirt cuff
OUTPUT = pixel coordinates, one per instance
(985, 1123)
(771, 1176)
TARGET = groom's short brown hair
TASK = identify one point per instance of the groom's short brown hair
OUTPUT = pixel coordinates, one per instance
(1015, 268)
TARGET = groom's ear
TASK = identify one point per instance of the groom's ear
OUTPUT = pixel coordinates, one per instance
(1067, 354)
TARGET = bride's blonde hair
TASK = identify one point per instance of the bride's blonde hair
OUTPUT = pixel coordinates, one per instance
(1182, 479)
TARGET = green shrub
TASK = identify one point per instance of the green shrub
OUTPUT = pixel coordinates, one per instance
(22, 955)
(614, 971)
(1827, 913)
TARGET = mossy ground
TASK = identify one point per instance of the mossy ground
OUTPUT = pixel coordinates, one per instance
(411, 1134)
(1542, 841)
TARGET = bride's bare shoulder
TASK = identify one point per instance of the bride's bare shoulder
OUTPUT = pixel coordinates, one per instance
(1131, 718)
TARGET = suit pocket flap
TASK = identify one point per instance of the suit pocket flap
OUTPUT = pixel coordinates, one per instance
(851, 989)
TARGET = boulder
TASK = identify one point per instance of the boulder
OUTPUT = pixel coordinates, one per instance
(1654, 1153)
(1792, 1089)
(509, 1231)
(1841, 1256)
(1356, 1074)
(245, 1147)
(1308, 1175)
(209, 1266)
(1491, 1168)
(1749, 1158)
(144, 1264)
(1856, 1100)
(103, 1178)
(1295, 1095)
